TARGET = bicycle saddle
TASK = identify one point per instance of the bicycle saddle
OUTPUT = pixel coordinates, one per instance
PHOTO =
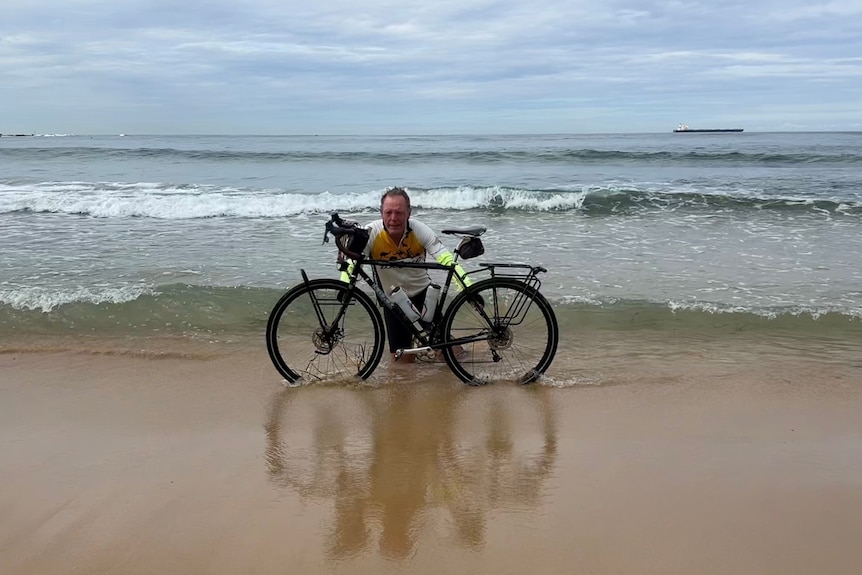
(474, 231)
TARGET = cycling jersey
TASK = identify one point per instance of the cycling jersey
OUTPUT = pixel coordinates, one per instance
(418, 240)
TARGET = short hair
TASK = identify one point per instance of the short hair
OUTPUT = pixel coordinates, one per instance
(395, 192)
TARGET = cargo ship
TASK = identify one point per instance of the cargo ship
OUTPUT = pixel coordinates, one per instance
(686, 129)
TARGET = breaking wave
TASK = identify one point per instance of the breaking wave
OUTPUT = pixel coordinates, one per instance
(193, 201)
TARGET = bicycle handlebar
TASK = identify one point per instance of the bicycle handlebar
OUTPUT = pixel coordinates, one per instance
(338, 227)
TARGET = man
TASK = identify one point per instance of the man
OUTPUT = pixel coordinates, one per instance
(397, 237)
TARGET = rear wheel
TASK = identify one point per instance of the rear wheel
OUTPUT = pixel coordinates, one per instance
(507, 331)
(304, 342)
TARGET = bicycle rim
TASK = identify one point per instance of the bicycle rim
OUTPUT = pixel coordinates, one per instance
(305, 351)
(516, 342)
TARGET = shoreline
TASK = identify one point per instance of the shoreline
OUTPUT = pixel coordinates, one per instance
(586, 355)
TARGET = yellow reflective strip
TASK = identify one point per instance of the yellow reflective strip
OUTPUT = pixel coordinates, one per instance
(345, 275)
(461, 280)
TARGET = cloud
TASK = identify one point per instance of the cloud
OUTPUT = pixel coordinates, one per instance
(262, 66)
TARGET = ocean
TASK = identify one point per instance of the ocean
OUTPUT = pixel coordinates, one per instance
(196, 237)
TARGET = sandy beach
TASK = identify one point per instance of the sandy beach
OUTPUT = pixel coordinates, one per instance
(726, 459)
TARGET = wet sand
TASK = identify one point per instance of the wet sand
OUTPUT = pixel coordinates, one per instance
(736, 460)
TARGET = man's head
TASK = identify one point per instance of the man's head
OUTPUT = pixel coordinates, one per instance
(395, 211)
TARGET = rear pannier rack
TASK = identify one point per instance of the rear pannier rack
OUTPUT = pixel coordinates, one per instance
(523, 272)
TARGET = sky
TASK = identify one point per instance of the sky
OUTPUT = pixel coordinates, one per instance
(428, 67)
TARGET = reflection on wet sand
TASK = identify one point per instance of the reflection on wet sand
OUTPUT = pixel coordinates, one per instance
(403, 458)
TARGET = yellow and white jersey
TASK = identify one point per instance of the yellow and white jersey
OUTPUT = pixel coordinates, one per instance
(418, 240)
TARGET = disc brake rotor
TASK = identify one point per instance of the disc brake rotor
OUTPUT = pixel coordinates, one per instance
(325, 342)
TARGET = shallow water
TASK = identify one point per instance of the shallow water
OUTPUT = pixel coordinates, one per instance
(200, 234)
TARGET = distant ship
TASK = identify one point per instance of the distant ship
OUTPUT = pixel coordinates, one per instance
(684, 128)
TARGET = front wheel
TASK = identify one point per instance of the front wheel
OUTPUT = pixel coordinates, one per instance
(312, 336)
(501, 330)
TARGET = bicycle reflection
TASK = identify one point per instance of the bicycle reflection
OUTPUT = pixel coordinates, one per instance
(398, 459)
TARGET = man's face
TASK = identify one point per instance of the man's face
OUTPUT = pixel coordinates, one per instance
(395, 214)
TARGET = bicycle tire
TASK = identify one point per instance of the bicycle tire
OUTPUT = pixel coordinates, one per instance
(300, 349)
(519, 343)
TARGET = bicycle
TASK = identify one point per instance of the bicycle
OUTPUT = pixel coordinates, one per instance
(500, 328)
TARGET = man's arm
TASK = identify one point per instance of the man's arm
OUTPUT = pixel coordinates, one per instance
(345, 273)
(435, 248)
(446, 258)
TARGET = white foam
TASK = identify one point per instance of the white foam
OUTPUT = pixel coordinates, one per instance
(768, 313)
(45, 299)
(167, 201)
(467, 197)
(162, 201)
(144, 199)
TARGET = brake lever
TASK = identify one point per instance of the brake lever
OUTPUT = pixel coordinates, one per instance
(334, 220)
(326, 233)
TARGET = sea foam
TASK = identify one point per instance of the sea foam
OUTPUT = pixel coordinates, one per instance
(195, 201)
(46, 299)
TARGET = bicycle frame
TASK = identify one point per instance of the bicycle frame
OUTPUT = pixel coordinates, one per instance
(430, 338)
(426, 337)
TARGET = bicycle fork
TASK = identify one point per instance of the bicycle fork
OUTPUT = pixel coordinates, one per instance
(325, 337)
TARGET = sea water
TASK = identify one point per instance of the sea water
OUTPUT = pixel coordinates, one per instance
(193, 235)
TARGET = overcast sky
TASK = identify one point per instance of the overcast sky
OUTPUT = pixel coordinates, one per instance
(429, 67)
